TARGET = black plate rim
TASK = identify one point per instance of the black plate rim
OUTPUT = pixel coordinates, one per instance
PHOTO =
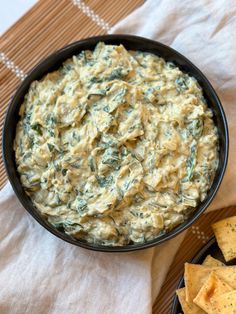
(118, 38)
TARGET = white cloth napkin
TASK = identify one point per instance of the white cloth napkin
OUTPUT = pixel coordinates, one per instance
(39, 273)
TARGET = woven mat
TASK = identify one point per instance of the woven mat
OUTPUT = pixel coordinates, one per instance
(48, 26)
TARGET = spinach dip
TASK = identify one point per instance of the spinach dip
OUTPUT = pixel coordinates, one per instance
(116, 147)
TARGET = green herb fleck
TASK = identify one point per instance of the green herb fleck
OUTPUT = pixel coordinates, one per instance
(81, 204)
(196, 128)
(50, 147)
(57, 166)
(117, 74)
(170, 65)
(64, 171)
(104, 181)
(92, 163)
(37, 127)
(111, 156)
(191, 161)
(181, 83)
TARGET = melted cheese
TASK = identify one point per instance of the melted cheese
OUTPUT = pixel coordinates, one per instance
(117, 146)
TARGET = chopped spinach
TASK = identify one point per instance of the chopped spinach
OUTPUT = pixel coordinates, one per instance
(120, 94)
(170, 65)
(124, 151)
(38, 128)
(94, 80)
(92, 163)
(202, 98)
(104, 181)
(106, 109)
(138, 198)
(126, 185)
(196, 128)
(31, 142)
(181, 83)
(149, 94)
(135, 126)
(70, 226)
(133, 213)
(50, 147)
(120, 194)
(82, 56)
(111, 156)
(27, 155)
(76, 136)
(191, 161)
(117, 74)
(51, 120)
(64, 171)
(108, 141)
(59, 226)
(81, 204)
(57, 166)
(26, 122)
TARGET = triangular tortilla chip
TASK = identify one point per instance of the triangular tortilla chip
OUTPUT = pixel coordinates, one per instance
(212, 288)
(195, 276)
(225, 232)
(211, 261)
(225, 303)
(188, 308)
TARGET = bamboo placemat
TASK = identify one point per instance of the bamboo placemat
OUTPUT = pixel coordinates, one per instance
(50, 25)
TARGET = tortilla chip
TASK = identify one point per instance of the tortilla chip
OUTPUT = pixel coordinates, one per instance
(188, 308)
(195, 276)
(211, 261)
(212, 288)
(225, 303)
(228, 274)
(225, 233)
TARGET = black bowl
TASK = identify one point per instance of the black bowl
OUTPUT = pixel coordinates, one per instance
(52, 63)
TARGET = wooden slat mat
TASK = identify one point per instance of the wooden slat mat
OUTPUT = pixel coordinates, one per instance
(48, 26)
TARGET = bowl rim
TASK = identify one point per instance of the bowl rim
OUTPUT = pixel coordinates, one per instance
(79, 46)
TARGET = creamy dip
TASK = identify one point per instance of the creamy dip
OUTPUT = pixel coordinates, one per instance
(116, 147)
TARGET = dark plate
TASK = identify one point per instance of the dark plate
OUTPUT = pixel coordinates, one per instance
(134, 43)
(211, 248)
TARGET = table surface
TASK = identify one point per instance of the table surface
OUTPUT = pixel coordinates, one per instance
(48, 26)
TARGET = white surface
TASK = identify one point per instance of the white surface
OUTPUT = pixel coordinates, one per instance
(11, 11)
(42, 274)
